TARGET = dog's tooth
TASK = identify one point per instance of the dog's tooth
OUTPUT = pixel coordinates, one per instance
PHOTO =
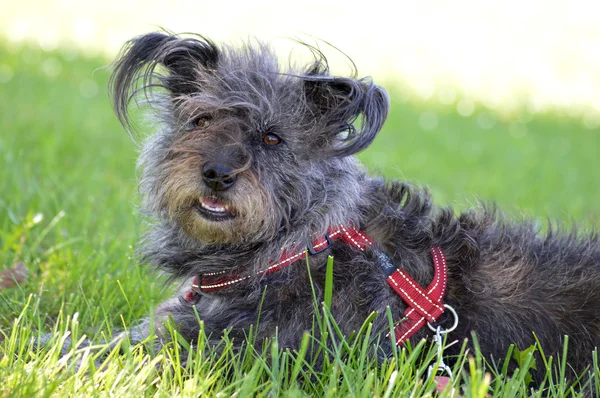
(214, 206)
(216, 209)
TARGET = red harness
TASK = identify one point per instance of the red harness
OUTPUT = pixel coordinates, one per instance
(423, 305)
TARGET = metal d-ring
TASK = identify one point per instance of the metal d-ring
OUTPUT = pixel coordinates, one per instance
(438, 329)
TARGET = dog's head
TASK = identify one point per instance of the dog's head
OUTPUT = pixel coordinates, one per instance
(245, 150)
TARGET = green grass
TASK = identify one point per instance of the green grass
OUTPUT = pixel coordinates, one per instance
(64, 156)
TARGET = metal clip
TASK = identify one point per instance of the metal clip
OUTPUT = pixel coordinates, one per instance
(438, 338)
(442, 367)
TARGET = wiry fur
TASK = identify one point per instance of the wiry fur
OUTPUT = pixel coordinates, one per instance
(506, 281)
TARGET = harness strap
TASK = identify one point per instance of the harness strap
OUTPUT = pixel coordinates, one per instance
(423, 305)
(348, 234)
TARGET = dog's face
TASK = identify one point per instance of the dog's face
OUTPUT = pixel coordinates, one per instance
(245, 150)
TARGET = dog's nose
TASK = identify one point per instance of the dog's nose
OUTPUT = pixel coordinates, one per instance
(218, 177)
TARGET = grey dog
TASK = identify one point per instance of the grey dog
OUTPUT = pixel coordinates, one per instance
(252, 164)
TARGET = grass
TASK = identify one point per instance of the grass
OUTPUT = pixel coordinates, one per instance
(67, 210)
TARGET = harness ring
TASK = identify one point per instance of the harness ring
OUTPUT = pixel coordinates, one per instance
(445, 331)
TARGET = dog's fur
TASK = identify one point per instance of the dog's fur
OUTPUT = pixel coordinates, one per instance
(215, 104)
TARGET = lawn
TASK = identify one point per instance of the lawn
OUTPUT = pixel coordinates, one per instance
(68, 212)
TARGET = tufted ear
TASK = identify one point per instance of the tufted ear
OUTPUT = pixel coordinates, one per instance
(135, 67)
(340, 103)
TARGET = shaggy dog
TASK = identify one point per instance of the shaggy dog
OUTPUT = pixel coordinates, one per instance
(251, 182)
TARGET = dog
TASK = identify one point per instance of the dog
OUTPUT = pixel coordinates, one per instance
(251, 183)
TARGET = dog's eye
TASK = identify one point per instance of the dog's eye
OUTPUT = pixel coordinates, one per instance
(343, 135)
(271, 139)
(347, 133)
(203, 121)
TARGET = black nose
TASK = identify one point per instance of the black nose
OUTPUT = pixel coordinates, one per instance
(218, 177)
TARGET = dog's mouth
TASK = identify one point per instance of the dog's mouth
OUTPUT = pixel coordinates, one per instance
(214, 210)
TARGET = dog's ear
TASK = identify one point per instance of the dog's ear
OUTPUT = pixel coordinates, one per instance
(341, 103)
(135, 69)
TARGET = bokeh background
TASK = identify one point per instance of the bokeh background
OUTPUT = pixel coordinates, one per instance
(491, 100)
(487, 95)
(496, 51)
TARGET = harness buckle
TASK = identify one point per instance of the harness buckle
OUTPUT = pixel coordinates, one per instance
(312, 251)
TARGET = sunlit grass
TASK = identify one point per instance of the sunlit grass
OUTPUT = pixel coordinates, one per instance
(67, 210)
(343, 367)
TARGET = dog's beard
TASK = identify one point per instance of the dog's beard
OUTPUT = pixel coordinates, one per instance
(240, 216)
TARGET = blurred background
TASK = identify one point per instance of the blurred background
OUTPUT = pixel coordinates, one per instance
(496, 101)
(488, 97)
(542, 52)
